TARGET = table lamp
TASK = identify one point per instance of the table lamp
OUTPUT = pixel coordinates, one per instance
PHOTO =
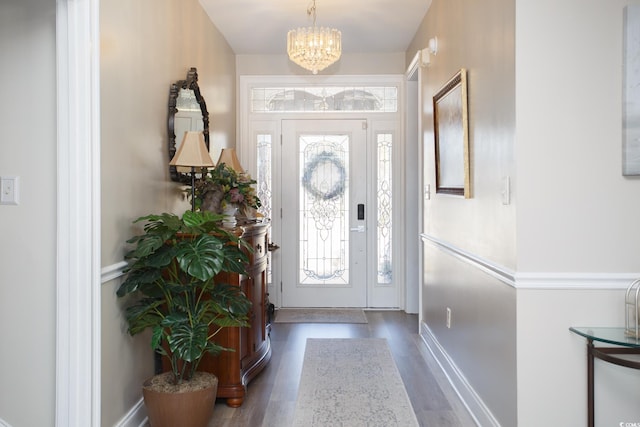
(192, 153)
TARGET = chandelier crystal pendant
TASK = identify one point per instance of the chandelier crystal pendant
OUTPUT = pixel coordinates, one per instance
(314, 48)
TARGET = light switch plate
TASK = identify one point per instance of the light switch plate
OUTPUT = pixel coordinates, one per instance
(9, 190)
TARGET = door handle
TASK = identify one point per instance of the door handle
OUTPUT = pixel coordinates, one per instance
(358, 229)
(272, 247)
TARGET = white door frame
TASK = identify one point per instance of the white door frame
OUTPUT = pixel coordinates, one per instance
(78, 214)
(246, 149)
(416, 194)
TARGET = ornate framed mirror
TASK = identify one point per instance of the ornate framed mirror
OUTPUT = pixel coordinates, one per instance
(187, 112)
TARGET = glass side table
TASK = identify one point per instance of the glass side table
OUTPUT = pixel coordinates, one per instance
(625, 345)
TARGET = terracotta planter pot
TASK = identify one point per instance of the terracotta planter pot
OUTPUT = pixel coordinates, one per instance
(188, 405)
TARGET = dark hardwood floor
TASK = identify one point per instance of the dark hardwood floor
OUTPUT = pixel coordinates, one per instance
(271, 396)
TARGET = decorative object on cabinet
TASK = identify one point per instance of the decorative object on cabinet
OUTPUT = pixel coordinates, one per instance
(632, 310)
(187, 112)
(173, 277)
(194, 154)
(251, 343)
(229, 213)
(451, 130)
(227, 185)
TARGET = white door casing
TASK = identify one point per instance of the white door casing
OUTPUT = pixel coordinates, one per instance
(263, 125)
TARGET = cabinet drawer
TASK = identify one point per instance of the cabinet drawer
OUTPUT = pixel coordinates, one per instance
(259, 244)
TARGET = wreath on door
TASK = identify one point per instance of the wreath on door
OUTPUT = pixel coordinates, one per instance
(310, 181)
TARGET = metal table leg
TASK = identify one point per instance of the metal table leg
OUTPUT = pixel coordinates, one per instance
(590, 398)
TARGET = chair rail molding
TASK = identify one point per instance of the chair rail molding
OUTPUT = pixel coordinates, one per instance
(536, 280)
(499, 272)
(112, 271)
(568, 281)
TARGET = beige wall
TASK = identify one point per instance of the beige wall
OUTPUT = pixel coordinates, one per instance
(349, 63)
(478, 36)
(545, 103)
(147, 45)
(577, 214)
(28, 231)
(581, 210)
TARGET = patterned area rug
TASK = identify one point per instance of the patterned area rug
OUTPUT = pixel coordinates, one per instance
(315, 315)
(351, 383)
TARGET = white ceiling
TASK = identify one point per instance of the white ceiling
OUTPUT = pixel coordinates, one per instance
(368, 26)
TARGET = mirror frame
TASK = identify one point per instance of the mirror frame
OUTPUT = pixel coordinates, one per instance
(191, 82)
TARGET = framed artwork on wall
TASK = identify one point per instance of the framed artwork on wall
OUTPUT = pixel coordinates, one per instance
(451, 130)
(631, 92)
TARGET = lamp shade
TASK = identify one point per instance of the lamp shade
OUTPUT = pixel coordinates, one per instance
(192, 152)
(229, 157)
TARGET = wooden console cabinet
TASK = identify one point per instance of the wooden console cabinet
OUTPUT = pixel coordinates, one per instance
(252, 345)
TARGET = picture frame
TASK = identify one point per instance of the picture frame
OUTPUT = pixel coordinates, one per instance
(451, 132)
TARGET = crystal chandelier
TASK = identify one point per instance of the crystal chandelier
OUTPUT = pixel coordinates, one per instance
(314, 48)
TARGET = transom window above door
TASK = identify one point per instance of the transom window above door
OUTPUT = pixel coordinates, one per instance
(382, 99)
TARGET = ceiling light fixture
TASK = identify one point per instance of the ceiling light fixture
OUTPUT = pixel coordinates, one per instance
(314, 48)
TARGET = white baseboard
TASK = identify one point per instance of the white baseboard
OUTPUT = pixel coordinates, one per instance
(3, 423)
(471, 400)
(136, 417)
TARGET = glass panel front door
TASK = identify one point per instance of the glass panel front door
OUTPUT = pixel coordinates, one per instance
(323, 213)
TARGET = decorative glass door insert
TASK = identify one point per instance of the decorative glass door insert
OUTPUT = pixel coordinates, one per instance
(323, 172)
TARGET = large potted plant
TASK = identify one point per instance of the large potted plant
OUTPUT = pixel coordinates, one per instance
(171, 278)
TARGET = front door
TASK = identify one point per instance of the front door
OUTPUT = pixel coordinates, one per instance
(324, 213)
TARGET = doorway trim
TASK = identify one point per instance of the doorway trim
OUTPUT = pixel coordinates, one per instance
(416, 194)
(78, 370)
(272, 120)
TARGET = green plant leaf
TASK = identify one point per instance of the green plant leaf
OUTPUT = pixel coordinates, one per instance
(157, 338)
(146, 245)
(231, 299)
(235, 260)
(188, 342)
(161, 257)
(165, 223)
(136, 279)
(194, 219)
(144, 314)
(201, 258)
(215, 349)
